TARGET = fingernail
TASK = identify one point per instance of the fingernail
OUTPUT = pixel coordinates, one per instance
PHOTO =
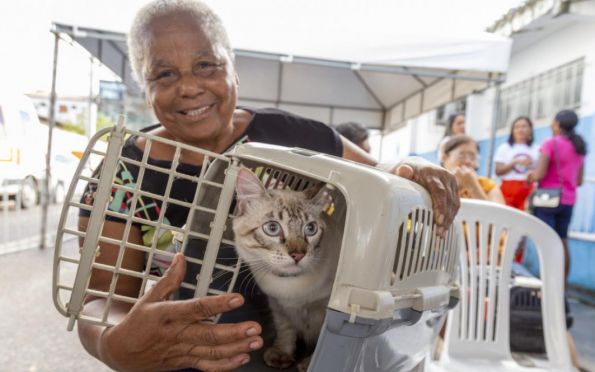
(440, 219)
(251, 332)
(242, 359)
(235, 302)
(255, 345)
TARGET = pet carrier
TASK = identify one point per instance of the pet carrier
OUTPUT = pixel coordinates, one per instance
(393, 279)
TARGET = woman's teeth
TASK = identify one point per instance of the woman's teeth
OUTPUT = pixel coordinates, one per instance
(197, 112)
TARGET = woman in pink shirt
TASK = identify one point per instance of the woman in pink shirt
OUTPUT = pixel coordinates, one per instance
(560, 165)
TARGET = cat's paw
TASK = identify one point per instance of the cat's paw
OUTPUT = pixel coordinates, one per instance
(303, 365)
(277, 358)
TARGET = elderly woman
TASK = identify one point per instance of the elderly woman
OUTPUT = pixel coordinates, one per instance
(182, 58)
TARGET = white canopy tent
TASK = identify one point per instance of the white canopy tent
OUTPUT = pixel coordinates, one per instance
(379, 78)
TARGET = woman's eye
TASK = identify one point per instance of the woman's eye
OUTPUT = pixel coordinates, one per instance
(272, 228)
(311, 228)
(206, 69)
(165, 75)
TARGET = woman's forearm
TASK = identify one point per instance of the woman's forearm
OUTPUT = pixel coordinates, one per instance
(477, 192)
(90, 334)
(502, 169)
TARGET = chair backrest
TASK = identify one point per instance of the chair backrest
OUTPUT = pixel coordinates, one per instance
(479, 326)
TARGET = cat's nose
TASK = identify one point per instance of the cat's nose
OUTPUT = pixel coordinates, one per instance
(297, 257)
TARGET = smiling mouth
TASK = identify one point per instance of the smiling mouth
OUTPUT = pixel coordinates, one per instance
(197, 111)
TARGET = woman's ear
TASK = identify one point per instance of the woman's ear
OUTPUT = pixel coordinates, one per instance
(248, 187)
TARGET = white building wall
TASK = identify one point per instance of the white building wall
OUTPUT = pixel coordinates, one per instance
(480, 113)
(569, 43)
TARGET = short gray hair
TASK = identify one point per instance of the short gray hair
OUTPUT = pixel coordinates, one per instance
(137, 41)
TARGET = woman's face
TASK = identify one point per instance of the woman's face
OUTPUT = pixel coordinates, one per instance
(190, 80)
(464, 155)
(458, 125)
(555, 127)
(521, 131)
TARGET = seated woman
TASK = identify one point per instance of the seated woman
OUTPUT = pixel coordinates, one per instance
(182, 58)
(461, 155)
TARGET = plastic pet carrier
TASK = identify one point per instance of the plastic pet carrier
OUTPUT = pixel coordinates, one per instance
(394, 277)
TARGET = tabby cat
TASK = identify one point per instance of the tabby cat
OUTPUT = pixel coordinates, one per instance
(278, 233)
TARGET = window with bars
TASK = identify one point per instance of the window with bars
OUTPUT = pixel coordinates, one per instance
(543, 95)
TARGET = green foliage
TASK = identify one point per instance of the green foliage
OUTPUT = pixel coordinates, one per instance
(104, 121)
(75, 128)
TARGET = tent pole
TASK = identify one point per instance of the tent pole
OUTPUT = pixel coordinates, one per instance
(382, 130)
(495, 120)
(45, 195)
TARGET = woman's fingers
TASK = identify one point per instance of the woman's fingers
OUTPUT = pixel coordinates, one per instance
(169, 283)
(197, 309)
(219, 334)
(442, 186)
(227, 350)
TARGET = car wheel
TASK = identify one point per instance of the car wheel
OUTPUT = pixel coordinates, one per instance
(59, 193)
(29, 193)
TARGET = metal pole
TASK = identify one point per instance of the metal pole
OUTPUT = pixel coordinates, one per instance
(495, 120)
(48, 156)
(89, 125)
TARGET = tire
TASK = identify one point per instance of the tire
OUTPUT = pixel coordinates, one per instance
(29, 193)
(59, 193)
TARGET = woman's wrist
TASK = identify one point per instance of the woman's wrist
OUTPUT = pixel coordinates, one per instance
(103, 350)
(478, 193)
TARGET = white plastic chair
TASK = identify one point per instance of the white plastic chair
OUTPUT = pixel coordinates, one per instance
(478, 329)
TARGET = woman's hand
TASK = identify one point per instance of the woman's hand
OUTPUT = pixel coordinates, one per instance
(466, 178)
(469, 186)
(525, 162)
(441, 185)
(158, 334)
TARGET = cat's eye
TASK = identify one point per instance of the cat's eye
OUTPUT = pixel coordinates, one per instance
(311, 228)
(272, 228)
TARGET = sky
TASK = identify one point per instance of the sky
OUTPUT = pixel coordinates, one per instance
(27, 45)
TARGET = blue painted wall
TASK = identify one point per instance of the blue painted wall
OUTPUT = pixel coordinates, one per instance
(582, 253)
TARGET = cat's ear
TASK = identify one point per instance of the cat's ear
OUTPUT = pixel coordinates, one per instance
(322, 196)
(248, 187)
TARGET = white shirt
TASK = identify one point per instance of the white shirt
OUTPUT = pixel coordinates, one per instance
(506, 153)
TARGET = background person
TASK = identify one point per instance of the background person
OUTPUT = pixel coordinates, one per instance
(356, 133)
(455, 125)
(182, 58)
(561, 164)
(461, 157)
(514, 159)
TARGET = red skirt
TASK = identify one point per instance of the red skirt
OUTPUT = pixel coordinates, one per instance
(516, 193)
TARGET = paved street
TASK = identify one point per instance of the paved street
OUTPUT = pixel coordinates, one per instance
(34, 336)
(20, 228)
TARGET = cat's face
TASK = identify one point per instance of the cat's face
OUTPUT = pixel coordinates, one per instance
(278, 231)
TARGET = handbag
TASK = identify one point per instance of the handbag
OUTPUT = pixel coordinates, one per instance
(548, 197)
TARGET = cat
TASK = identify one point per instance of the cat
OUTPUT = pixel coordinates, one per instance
(278, 235)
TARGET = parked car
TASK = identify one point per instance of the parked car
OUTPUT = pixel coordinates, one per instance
(23, 145)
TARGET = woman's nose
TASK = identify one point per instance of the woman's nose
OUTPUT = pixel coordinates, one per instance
(190, 85)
